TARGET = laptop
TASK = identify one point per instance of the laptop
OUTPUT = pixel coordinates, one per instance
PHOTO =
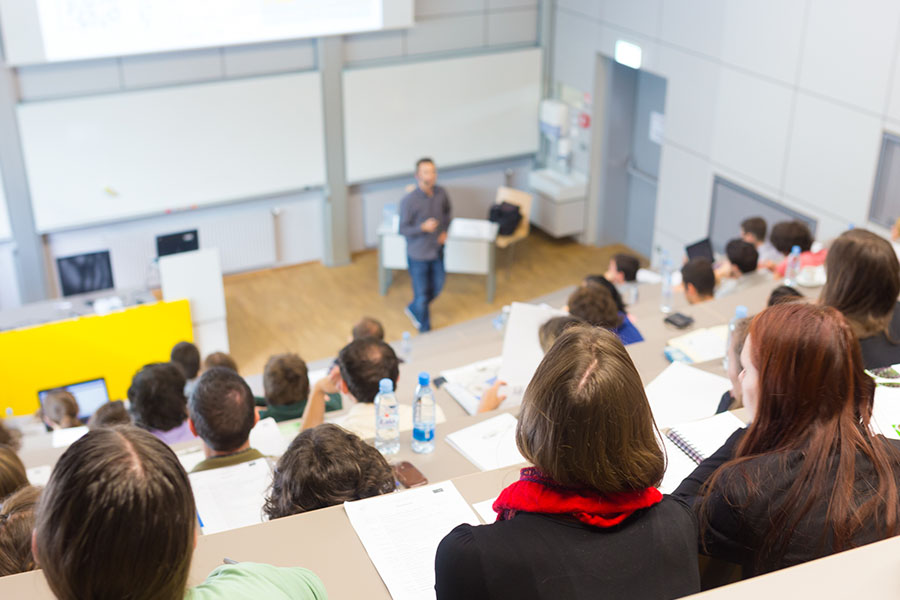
(90, 396)
(701, 249)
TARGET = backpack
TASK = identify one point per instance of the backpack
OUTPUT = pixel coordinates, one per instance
(507, 215)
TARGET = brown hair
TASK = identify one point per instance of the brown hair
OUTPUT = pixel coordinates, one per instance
(110, 414)
(755, 226)
(787, 234)
(863, 280)
(60, 408)
(550, 330)
(157, 397)
(368, 327)
(739, 336)
(784, 293)
(186, 356)
(628, 265)
(285, 380)
(594, 304)
(10, 437)
(16, 524)
(219, 359)
(324, 466)
(699, 273)
(585, 420)
(12, 472)
(116, 519)
(815, 398)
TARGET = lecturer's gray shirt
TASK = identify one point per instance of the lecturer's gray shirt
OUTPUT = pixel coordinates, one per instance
(416, 208)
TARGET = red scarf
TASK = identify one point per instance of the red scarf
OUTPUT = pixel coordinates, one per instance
(537, 493)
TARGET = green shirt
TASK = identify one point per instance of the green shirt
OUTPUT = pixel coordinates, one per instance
(256, 580)
(214, 462)
(286, 412)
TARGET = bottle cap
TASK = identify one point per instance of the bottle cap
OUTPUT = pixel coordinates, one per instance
(741, 312)
(385, 386)
(406, 335)
(795, 250)
(424, 378)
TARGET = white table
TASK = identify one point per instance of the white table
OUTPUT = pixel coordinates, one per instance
(469, 250)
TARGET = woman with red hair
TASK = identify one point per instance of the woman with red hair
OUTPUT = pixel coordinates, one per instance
(807, 477)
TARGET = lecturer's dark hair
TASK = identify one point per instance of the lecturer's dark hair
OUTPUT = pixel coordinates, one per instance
(116, 519)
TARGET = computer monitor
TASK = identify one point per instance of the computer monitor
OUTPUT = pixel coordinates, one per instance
(90, 395)
(85, 273)
(701, 249)
(173, 243)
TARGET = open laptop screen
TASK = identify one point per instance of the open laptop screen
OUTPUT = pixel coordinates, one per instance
(90, 395)
(701, 249)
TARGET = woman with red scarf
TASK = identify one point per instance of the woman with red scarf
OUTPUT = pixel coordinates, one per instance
(587, 520)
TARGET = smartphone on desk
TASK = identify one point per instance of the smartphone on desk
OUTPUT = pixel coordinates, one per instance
(679, 320)
(408, 475)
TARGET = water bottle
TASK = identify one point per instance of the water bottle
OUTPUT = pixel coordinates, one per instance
(502, 317)
(739, 313)
(630, 289)
(387, 419)
(792, 272)
(406, 347)
(665, 299)
(423, 417)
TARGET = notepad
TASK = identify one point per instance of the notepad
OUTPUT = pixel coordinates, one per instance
(678, 466)
(703, 344)
(886, 412)
(490, 444)
(700, 439)
(231, 497)
(468, 383)
(485, 510)
(683, 393)
(401, 533)
(267, 438)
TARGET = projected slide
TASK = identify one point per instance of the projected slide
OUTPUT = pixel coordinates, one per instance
(74, 29)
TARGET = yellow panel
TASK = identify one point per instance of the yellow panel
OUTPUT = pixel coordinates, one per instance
(113, 346)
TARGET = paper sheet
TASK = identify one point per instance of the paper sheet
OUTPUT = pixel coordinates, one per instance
(401, 533)
(60, 438)
(231, 497)
(490, 444)
(886, 412)
(678, 466)
(522, 348)
(190, 458)
(682, 393)
(267, 438)
(39, 475)
(467, 384)
(485, 510)
(704, 344)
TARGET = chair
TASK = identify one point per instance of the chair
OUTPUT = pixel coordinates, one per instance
(523, 201)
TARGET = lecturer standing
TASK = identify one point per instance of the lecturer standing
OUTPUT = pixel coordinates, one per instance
(424, 221)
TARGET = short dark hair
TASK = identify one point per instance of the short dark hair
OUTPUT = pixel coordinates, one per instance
(186, 356)
(422, 161)
(628, 265)
(787, 234)
(783, 293)
(285, 380)
(550, 330)
(594, 304)
(157, 397)
(742, 254)
(110, 414)
(12, 472)
(325, 466)
(755, 226)
(368, 327)
(610, 287)
(364, 363)
(220, 359)
(116, 519)
(222, 409)
(699, 273)
(17, 515)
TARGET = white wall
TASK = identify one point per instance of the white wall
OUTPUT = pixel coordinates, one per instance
(786, 97)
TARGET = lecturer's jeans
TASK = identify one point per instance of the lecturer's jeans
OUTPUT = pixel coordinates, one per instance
(427, 282)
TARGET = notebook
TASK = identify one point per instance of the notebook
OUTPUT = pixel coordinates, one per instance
(490, 444)
(700, 439)
(231, 497)
(682, 393)
(703, 344)
(466, 384)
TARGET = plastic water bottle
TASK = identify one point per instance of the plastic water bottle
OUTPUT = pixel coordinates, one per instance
(739, 313)
(406, 347)
(792, 272)
(423, 417)
(630, 289)
(502, 317)
(387, 419)
(665, 299)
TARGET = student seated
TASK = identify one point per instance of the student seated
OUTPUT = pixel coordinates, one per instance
(613, 291)
(186, 356)
(368, 327)
(699, 280)
(733, 398)
(361, 364)
(10, 437)
(222, 413)
(784, 293)
(622, 268)
(587, 520)
(59, 410)
(219, 359)
(786, 235)
(286, 385)
(325, 466)
(158, 403)
(807, 477)
(595, 305)
(551, 329)
(12, 472)
(109, 415)
(118, 520)
(863, 283)
(753, 231)
(740, 271)
(17, 513)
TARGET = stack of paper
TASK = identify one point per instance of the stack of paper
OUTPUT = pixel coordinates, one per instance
(231, 497)
(682, 393)
(700, 439)
(468, 383)
(703, 344)
(490, 444)
(401, 533)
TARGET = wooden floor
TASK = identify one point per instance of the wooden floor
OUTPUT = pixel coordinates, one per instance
(309, 309)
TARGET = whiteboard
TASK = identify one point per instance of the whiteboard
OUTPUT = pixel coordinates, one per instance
(122, 156)
(457, 111)
(5, 231)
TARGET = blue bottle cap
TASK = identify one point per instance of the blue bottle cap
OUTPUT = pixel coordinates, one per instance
(795, 250)
(741, 312)
(385, 386)
(406, 335)
(424, 378)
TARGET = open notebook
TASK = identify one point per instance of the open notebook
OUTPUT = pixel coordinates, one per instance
(701, 345)
(683, 393)
(490, 444)
(700, 439)
(466, 384)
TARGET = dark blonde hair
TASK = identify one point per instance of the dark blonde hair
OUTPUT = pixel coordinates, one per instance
(595, 304)
(550, 330)
(12, 472)
(116, 519)
(863, 280)
(110, 414)
(219, 359)
(585, 419)
(60, 408)
(16, 524)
